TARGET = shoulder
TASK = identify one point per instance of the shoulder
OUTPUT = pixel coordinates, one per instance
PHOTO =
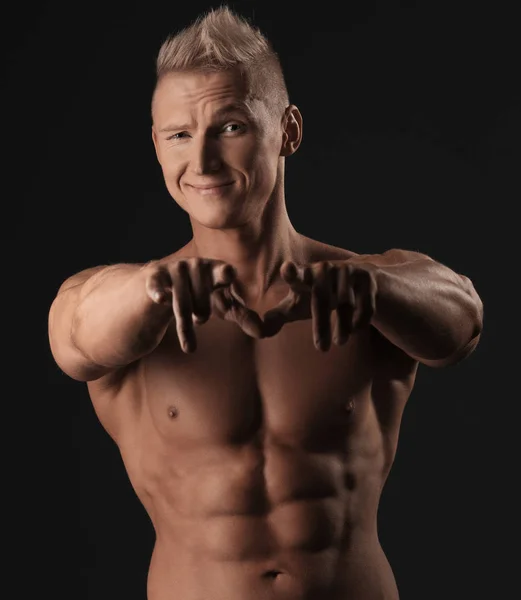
(80, 277)
(315, 251)
(318, 251)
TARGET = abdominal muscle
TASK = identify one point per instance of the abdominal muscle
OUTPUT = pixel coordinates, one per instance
(274, 494)
(228, 527)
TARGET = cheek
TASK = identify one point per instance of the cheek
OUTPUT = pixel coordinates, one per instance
(265, 165)
(170, 163)
(172, 169)
(241, 154)
(254, 155)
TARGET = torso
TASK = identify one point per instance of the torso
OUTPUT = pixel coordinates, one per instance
(261, 462)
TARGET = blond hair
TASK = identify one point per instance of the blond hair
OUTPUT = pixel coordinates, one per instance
(222, 40)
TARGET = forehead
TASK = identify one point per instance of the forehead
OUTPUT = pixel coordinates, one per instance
(192, 90)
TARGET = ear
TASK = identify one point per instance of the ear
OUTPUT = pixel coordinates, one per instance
(156, 143)
(291, 130)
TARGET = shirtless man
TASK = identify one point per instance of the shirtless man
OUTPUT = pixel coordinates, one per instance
(255, 379)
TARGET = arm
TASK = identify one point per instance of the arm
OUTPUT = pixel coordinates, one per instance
(432, 313)
(103, 319)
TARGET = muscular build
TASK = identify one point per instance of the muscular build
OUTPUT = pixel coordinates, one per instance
(260, 461)
(257, 404)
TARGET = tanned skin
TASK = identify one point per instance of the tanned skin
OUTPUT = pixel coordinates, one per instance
(255, 379)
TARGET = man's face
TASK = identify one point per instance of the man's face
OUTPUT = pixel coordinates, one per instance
(219, 154)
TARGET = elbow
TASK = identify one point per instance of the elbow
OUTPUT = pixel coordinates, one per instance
(474, 310)
(475, 305)
(454, 358)
(75, 365)
(463, 351)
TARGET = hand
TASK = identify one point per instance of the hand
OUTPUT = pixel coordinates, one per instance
(316, 290)
(196, 288)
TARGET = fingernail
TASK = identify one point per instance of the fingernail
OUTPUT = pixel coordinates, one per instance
(188, 347)
(322, 344)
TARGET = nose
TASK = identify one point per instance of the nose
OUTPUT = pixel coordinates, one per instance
(205, 158)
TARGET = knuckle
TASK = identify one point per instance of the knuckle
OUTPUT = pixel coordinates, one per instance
(322, 270)
(154, 270)
(228, 271)
(323, 266)
(180, 267)
(157, 279)
(308, 275)
(200, 265)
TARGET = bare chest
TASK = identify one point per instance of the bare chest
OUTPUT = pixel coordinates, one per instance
(234, 388)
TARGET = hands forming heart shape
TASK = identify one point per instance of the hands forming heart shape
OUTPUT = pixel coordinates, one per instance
(197, 288)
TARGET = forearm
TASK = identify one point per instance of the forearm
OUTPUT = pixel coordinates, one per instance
(115, 321)
(426, 309)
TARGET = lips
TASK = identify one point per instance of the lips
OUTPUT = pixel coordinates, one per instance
(215, 189)
(210, 186)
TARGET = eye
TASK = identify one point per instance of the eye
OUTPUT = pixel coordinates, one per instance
(233, 128)
(177, 136)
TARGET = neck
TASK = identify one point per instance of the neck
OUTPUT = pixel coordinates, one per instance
(256, 250)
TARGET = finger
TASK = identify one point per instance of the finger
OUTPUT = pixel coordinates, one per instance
(230, 309)
(298, 277)
(222, 274)
(364, 288)
(321, 307)
(275, 318)
(248, 320)
(219, 303)
(345, 307)
(158, 285)
(201, 285)
(182, 306)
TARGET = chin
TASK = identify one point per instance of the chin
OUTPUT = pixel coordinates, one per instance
(215, 213)
(218, 219)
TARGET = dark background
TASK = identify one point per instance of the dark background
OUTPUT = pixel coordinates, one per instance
(411, 134)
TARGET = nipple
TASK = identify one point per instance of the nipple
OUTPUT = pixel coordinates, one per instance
(172, 412)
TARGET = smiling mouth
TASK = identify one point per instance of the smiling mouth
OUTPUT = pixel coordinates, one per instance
(211, 189)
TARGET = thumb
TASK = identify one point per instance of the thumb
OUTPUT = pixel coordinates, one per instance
(248, 320)
(232, 309)
(275, 318)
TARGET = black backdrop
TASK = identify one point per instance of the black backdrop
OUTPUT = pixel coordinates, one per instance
(411, 127)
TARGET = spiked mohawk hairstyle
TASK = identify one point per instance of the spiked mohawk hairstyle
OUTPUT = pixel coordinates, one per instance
(222, 40)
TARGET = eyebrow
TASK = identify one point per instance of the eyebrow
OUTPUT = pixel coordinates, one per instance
(224, 111)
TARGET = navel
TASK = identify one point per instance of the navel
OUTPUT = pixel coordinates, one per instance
(172, 412)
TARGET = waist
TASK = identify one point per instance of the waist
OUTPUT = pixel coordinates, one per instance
(339, 571)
